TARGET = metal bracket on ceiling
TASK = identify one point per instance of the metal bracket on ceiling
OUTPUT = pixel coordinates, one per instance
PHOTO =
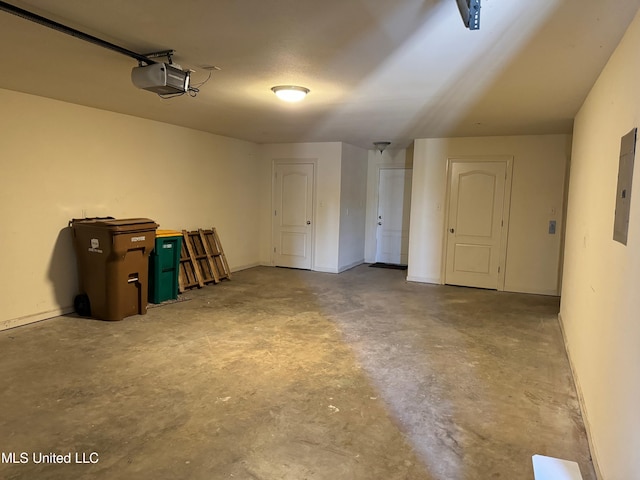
(470, 12)
(160, 54)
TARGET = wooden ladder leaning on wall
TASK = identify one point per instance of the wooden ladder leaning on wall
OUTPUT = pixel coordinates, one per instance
(199, 254)
(202, 260)
(189, 275)
(213, 247)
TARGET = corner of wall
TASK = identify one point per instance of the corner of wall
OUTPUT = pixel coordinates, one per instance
(581, 402)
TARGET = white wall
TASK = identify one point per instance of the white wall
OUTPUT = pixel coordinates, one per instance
(537, 197)
(600, 308)
(391, 158)
(353, 197)
(327, 206)
(60, 160)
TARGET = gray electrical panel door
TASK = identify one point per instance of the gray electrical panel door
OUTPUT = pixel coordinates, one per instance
(623, 193)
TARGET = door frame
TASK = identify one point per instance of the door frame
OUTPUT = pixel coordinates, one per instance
(506, 208)
(377, 198)
(375, 203)
(294, 161)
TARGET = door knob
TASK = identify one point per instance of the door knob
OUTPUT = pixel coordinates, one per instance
(308, 222)
(451, 230)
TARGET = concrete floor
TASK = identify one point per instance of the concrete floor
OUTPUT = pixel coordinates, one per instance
(285, 374)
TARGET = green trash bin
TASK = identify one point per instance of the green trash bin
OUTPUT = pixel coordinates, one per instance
(164, 266)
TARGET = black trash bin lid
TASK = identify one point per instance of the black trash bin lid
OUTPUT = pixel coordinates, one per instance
(121, 225)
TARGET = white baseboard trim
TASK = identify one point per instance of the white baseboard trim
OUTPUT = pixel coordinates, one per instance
(412, 278)
(36, 317)
(325, 269)
(350, 266)
(239, 268)
(583, 407)
(532, 291)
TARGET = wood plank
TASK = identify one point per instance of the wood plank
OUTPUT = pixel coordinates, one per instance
(210, 256)
(215, 247)
(190, 275)
(199, 255)
(222, 255)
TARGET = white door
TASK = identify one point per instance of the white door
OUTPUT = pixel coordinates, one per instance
(394, 207)
(475, 223)
(293, 215)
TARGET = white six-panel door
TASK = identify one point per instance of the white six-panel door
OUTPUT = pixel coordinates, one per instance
(475, 223)
(293, 214)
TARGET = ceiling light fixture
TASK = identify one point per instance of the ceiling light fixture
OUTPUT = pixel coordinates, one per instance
(290, 93)
(380, 146)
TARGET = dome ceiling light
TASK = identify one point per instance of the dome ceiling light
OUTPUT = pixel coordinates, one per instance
(290, 93)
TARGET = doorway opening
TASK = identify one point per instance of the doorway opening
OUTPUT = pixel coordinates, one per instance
(392, 220)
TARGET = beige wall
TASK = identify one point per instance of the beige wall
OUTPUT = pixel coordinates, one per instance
(340, 185)
(600, 308)
(536, 198)
(60, 161)
(353, 198)
(327, 205)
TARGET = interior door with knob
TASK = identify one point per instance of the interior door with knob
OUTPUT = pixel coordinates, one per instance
(476, 230)
(394, 208)
(293, 215)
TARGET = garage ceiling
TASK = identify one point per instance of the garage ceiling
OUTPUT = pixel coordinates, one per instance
(389, 70)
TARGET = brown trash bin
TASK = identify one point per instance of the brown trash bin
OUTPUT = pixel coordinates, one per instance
(113, 265)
